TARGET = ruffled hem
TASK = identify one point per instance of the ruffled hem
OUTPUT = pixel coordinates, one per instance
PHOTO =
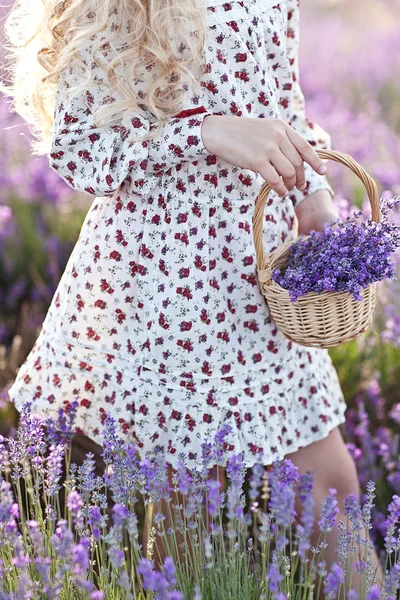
(269, 418)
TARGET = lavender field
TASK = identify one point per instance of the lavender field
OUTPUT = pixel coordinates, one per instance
(350, 66)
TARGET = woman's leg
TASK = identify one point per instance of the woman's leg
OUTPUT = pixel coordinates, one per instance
(333, 467)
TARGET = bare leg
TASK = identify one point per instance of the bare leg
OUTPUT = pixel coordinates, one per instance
(333, 467)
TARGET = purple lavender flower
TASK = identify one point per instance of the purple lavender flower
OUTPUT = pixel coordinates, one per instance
(394, 510)
(283, 478)
(274, 577)
(257, 473)
(112, 444)
(120, 514)
(156, 582)
(374, 593)
(53, 470)
(214, 497)
(219, 440)
(345, 258)
(117, 556)
(206, 457)
(62, 539)
(74, 502)
(184, 478)
(368, 505)
(392, 580)
(307, 519)
(20, 559)
(87, 482)
(333, 581)
(81, 556)
(169, 570)
(353, 511)
(126, 476)
(156, 480)
(63, 428)
(95, 520)
(97, 595)
(235, 471)
(329, 510)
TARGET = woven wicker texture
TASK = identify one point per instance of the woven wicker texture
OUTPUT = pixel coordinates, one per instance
(314, 320)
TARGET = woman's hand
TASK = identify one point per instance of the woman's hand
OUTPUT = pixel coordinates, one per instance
(315, 211)
(270, 147)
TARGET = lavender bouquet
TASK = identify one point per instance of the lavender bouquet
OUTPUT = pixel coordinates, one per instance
(346, 256)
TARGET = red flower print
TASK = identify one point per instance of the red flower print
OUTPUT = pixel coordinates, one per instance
(115, 255)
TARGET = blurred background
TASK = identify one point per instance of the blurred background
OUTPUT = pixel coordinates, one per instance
(350, 75)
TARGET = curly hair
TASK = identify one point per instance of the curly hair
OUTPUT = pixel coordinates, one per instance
(47, 37)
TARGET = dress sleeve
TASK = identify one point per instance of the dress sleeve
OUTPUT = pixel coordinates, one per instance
(311, 131)
(98, 160)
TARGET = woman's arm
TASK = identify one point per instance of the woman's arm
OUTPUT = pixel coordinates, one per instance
(97, 160)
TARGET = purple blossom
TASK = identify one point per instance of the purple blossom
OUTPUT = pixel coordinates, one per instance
(392, 580)
(157, 582)
(184, 478)
(374, 593)
(394, 510)
(283, 479)
(112, 444)
(81, 556)
(97, 595)
(62, 539)
(333, 581)
(169, 570)
(257, 473)
(219, 439)
(307, 518)
(120, 514)
(117, 556)
(54, 467)
(74, 502)
(62, 429)
(95, 519)
(125, 476)
(235, 471)
(329, 510)
(214, 497)
(274, 577)
(155, 478)
(345, 258)
(87, 482)
(353, 511)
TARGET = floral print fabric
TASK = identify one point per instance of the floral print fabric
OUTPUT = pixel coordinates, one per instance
(158, 317)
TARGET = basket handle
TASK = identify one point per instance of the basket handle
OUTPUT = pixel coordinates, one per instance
(340, 157)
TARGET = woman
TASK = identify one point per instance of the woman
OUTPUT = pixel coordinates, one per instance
(173, 115)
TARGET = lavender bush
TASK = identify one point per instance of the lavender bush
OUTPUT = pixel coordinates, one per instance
(50, 550)
(346, 256)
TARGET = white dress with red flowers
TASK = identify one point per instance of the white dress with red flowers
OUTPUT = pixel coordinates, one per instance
(158, 318)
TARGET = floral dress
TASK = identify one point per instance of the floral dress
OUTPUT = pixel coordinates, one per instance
(158, 319)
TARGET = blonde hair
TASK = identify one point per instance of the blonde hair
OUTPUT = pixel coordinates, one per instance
(48, 36)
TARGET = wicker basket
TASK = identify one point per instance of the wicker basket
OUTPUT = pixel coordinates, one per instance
(314, 320)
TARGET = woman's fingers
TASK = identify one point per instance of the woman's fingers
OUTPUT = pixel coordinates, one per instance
(285, 168)
(292, 155)
(306, 151)
(270, 174)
